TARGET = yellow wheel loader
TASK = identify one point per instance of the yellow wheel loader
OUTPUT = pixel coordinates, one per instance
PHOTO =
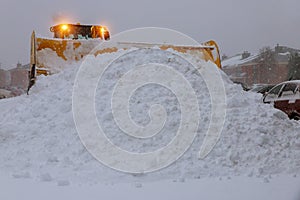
(72, 42)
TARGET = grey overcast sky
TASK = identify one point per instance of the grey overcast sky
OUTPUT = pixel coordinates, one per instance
(236, 25)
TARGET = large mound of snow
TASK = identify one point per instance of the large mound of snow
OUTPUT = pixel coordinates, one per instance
(38, 138)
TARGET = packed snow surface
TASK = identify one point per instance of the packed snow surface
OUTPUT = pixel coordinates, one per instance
(38, 137)
(212, 188)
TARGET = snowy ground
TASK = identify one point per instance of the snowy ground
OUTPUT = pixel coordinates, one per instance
(39, 143)
(282, 187)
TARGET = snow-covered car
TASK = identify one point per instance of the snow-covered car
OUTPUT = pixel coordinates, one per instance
(286, 97)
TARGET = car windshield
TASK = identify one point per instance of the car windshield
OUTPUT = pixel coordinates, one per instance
(276, 89)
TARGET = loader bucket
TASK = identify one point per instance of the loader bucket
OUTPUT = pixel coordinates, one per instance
(66, 51)
(73, 42)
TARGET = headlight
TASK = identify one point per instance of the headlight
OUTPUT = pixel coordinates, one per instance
(64, 27)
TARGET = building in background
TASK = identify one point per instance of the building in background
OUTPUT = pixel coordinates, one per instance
(257, 69)
(14, 81)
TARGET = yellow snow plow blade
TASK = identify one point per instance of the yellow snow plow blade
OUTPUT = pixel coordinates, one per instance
(72, 42)
(68, 51)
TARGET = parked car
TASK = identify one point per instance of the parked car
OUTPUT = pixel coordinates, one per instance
(286, 97)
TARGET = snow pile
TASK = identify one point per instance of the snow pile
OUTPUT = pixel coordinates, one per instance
(38, 138)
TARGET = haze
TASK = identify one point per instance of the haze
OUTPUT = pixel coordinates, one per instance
(236, 25)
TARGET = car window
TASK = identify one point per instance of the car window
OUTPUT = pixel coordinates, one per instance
(273, 94)
(297, 92)
(297, 89)
(288, 90)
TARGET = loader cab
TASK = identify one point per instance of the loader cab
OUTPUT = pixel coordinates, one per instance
(78, 31)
